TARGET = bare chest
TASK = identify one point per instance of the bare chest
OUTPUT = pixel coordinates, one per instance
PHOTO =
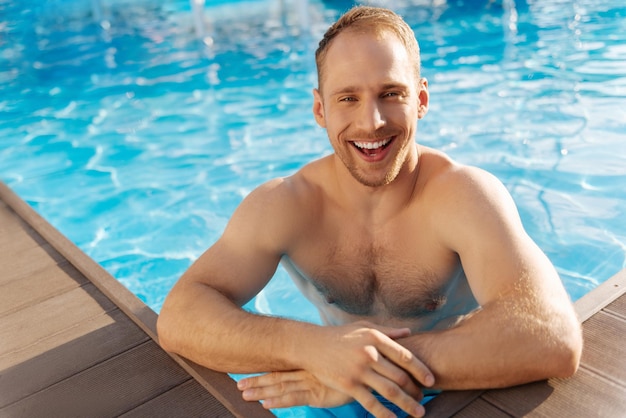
(399, 278)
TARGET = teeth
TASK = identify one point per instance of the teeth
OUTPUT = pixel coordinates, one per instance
(372, 145)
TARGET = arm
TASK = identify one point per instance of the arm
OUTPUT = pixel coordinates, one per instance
(202, 318)
(526, 329)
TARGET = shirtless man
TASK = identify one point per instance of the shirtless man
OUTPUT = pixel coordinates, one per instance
(419, 266)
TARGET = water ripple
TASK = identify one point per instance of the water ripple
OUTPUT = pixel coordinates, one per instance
(137, 138)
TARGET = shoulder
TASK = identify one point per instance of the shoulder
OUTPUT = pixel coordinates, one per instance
(449, 182)
(296, 193)
(468, 201)
(279, 210)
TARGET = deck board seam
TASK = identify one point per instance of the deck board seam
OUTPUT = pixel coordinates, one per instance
(485, 397)
(144, 340)
(618, 316)
(156, 395)
(43, 299)
(601, 375)
(104, 311)
(49, 296)
(72, 375)
(221, 386)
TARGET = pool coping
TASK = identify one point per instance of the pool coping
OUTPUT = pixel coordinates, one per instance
(220, 385)
(452, 402)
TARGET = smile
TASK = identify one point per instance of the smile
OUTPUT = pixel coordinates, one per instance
(370, 148)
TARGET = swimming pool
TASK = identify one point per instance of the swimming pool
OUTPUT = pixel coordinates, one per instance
(136, 127)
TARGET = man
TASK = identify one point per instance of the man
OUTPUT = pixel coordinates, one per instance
(419, 266)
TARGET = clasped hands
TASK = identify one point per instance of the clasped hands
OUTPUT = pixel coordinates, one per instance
(346, 363)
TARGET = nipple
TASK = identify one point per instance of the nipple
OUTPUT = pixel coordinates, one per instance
(435, 303)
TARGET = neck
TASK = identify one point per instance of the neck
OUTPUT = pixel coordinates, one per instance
(381, 202)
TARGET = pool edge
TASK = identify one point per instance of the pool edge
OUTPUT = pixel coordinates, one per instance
(220, 385)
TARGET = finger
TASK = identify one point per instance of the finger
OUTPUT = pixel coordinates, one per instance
(279, 390)
(404, 359)
(372, 404)
(289, 400)
(396, 333)
(271, 384)
(396, 395)
(398, 376)
(392, 333)
(267, 379)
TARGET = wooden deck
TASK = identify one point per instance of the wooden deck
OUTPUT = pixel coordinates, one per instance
(75, 342)
(598, 389)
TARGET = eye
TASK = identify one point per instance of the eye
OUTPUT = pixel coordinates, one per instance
(392, 94)
(347, 99)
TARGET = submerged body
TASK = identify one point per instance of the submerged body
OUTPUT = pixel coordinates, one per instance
(439, 308)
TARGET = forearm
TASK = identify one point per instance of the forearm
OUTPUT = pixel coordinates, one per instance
(500, 347)
(209, 329)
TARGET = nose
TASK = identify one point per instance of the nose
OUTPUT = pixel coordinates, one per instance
(370, 116)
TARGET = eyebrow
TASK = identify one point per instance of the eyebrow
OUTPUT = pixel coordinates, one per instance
(384, 87)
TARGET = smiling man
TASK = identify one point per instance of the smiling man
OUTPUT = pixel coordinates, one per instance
(419, 266)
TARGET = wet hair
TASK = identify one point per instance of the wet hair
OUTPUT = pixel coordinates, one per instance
(366, 19)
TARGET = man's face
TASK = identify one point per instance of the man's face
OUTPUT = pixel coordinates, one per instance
(369, 102)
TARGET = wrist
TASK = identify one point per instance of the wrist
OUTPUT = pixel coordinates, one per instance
(301, 348)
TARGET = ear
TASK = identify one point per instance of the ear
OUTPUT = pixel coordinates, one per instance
(318, 108)
(423, 98)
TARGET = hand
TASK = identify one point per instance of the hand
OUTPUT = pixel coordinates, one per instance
(359, 358)
(287, 389)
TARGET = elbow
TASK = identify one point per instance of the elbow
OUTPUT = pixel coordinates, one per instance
(569, 353)
(164, 332)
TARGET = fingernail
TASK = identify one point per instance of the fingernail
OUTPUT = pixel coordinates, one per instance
(247, 395)
(420, 411)
(241, 385)
(430, 380)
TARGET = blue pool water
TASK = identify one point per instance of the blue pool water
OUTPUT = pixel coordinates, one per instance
(137, 126)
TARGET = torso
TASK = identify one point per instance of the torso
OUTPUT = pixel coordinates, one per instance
(395, 274)
(419, 303)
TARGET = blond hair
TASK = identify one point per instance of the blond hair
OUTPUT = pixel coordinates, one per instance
(366, 19)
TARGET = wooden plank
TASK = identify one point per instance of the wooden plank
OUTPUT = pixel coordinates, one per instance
(605, 346)
(596, 390)
(62, 355)
(13, 235)
(224, 389)
(448, 403)
(107, 389)
(219, 385)
(617, 307)
(108, 285)
(26, 261)
(481, 409)
(32, 325)
(8, 226)
(23, 249)
(16, 236)
(36, 283)
(586, 395)
(187, 400)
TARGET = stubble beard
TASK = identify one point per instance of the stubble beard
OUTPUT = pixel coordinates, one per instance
(371, 181)
(375, 180)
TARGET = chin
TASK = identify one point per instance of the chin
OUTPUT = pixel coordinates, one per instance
(374, 182)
